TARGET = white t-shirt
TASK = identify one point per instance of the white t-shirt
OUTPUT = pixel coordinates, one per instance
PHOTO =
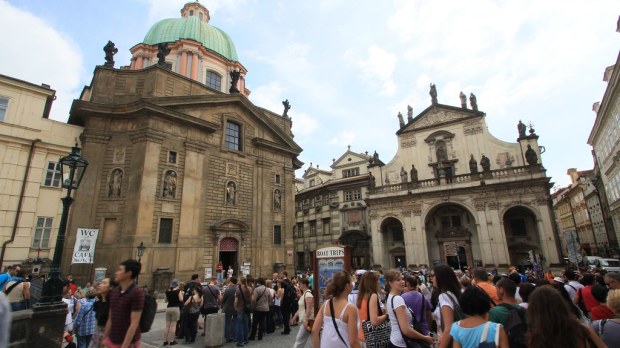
(572, 287)
(445, 299)
(395, 334)
(302, 302)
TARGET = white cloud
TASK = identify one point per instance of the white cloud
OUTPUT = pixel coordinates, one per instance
(304, 124)
(160, 9)
(345, 138)
(379, 67)
(40, 54)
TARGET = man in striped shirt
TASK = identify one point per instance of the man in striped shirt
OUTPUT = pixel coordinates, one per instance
(84, 324)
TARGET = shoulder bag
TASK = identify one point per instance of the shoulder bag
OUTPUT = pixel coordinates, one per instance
(247, 308)
(255, 303)
(331, 308)
(376, 336)
(410, 342)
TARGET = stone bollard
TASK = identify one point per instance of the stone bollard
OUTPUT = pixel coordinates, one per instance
(214, 329)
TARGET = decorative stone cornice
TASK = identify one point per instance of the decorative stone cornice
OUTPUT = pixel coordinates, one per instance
(94, 137)
(195, 147)
(148, 135)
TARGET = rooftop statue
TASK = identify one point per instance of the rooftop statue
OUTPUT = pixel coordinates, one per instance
(522, 128)
(234, 75)
(110, 50)
(162, 52)
(485, 163)
(409, 113)
(400, 120)
(473, 101)
(530, 156)
(433, 93)
(463, 100)
(473, 165)
(287, 107)
(414, 173)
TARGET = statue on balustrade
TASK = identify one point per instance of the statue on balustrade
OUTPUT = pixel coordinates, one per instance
(414, 174)
(522, 128)
(403, 175)
(530, 156)
(473, 165)
(485, 163)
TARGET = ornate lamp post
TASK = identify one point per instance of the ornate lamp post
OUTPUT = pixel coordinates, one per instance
(72, 169)
(139, 252)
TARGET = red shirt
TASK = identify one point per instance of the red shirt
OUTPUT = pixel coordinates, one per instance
(219, 268)
(121, 306)
(602, 312)
(588, 300)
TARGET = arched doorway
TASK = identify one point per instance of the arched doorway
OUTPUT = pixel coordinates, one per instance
(360, 248)
(394, 242)
(229, 248)
(452, 236)
(522, 235)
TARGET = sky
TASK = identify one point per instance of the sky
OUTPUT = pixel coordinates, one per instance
(349, 66)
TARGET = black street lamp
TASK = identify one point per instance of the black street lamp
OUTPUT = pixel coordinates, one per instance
(139, 252)
(72, 169)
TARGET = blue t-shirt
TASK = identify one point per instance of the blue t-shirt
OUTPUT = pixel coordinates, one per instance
(4, 278)
(470, 337)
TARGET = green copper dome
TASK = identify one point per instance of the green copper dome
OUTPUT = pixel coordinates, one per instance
(173, 29)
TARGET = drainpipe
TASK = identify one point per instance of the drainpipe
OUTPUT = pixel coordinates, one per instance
(21, 200)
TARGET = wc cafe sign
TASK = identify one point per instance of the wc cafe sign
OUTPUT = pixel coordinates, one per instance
(84, 249)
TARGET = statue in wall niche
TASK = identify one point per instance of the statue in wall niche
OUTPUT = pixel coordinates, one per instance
(463, 98)
(234, 78)
(401, 122)
(162, 52)
(530, 156)
(170, 184)
(409, 113)
(287, 107)
(433, 93)
(116, 183)
(231, 193)
(522, 128)
(110, 50)
(473, 101)
(485, 163)
(473, 165)
(277, 199)
(414, 174)
(442, 153)
(373, 180)
(403, 175)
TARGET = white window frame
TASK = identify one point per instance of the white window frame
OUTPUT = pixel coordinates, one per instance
(42, 232)
(55, 175)
(4, 106)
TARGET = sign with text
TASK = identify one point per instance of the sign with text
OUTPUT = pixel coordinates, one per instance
(328, 261)
(85, 242)
(330, 252)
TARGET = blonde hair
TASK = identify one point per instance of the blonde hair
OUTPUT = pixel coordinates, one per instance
(613, 300)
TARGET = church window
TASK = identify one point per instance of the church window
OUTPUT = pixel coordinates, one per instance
(277, 234)
(4, 104)
(352, 195)
(214, 80)
(42, 232)
(326, 229)
(233, 138)
(52, 174)
(311, 183)
(397, 234)
(313, 228)
(347, 173)
(278, 179)
(300, 229)
(517, 227)
(172, 157)
(165, 231)
(191, 12)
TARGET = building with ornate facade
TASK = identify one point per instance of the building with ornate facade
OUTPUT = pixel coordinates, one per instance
(196, 173)
(330, 209)
(455, 194)
(30, 146)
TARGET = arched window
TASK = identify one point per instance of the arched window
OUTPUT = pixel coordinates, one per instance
(214, 80)
(191, 12)
(233, 136)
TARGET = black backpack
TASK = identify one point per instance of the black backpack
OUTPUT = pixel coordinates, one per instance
(515, 326)
(148, 312)
(290, 296)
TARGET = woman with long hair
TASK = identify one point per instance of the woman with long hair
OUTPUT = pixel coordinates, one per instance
(337, 316)
(101, 307)
(368, 301)
(551, 323)
(174, 296)
(243, 298)
(449, 292)
(400, 316)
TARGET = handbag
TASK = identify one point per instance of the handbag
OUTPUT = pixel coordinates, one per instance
(376, 336)
(410, 342)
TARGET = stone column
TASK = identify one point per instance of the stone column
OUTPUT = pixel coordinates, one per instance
(377, 241)
(485, 238)
(194, 75)
(183, 70)
(139, 61)
(547, 236)
(420, 244)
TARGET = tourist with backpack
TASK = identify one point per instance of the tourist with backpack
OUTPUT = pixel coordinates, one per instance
(288, 302)
(211, 300)
(509, 313)
(476, 330)
(17, 290)
(609, 329)
(84, 325)
(126, 305)
(551, 323)
(449, 288)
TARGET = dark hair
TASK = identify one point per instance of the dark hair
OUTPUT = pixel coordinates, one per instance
(260, 281)
(599, 292)
(233, 280)
(337, 284)
(570, 274)
(525, 290)
(475, 301)
(550, 322)
(446, 280)
(564, 293)
(588, 279)
(285, 274)
(480, 273)
(195, 276)
(496, 278)
(369, 284)
(412, 281)
(304, 281)
(508, 285)
(21, 273)
(541, 282)
(515, 277)
(132, 266)
(435, 298)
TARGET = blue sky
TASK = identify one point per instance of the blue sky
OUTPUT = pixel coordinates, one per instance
(348, 67)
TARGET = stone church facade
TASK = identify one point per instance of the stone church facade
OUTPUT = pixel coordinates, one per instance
(455, 194)
(196, 174)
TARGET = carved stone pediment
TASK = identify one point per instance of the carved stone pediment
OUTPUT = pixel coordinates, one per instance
(453, 233)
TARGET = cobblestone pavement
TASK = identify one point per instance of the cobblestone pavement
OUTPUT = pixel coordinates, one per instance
(155, 338)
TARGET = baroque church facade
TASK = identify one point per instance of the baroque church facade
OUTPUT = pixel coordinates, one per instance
(182, 163)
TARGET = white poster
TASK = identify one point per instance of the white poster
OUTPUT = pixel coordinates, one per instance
(85, 242)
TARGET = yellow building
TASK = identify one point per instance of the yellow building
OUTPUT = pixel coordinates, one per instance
(30, 146)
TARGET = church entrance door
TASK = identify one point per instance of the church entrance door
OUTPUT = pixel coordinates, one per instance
(229, 254)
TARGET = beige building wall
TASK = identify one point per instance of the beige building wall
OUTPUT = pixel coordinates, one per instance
(29, 144)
